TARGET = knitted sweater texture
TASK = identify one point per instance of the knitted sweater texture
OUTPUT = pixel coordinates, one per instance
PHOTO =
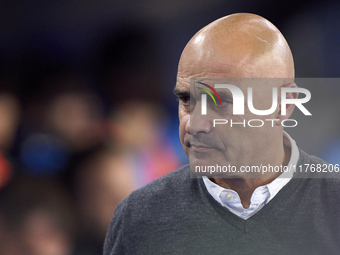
(176, 215)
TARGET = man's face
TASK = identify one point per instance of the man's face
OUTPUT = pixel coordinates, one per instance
(237, 46)
(224, 145)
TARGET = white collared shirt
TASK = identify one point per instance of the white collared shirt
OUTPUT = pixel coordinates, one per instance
(262, 195)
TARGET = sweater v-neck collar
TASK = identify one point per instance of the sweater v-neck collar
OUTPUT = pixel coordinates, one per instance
(260, 216)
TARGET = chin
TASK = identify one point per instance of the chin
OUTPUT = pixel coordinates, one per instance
(200, 166)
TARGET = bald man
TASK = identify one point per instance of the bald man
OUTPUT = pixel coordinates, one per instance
(234, 212)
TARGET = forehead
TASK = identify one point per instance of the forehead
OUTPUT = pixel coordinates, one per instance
(187, 78)
(192, 66)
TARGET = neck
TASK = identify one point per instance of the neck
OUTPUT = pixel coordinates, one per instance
(245, 186)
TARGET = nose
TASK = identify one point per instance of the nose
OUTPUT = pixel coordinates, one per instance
(198, 123)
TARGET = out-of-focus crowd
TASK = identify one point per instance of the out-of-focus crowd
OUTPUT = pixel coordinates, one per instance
(74, 144)
(86, 113)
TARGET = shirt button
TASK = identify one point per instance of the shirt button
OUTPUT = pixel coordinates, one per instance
(229, 196)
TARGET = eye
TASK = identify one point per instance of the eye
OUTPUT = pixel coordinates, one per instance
(226, 102)
(184, 99)
(225, 107)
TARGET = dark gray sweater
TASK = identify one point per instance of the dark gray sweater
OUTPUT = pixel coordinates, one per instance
(176, 215)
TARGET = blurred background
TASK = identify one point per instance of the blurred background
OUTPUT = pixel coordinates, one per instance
(87, 113)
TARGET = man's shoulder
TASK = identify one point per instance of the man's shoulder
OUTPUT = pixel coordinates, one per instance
(173, 186)
(173, 180)
(306, 158)
(318, 172)
(147, 209)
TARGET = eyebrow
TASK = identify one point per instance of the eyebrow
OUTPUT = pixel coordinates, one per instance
(181, 93)
(224, 95)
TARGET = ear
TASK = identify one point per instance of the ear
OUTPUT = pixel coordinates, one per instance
(289, 107)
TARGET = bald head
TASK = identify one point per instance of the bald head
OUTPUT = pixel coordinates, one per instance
(240, 46)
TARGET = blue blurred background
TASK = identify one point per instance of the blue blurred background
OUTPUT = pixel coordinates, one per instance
(87, 113)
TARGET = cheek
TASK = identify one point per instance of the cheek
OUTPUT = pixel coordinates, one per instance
(183, 122)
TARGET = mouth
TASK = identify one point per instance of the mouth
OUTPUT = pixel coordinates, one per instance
(200, 148)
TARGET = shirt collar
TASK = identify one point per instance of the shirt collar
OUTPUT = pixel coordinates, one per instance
(276, 185)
